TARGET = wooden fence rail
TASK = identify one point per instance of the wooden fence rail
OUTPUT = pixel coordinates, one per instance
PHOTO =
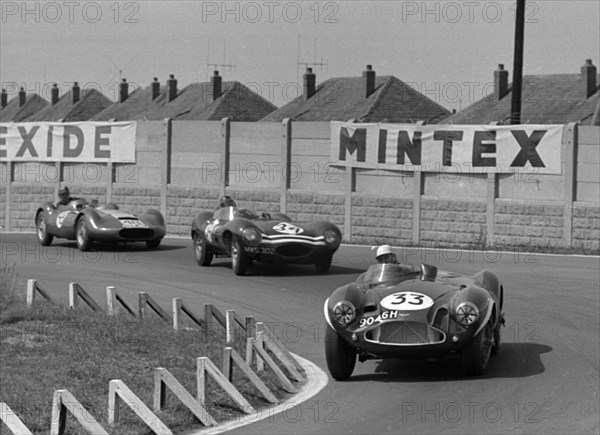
(205, 366)
(32, 288)
(112, 297)
(77, 292)
(163, 379)
(146, 301)
(180, 308)
(119, 392)
(10, 419)
(230, 355)
(262, 353)
(64, 403)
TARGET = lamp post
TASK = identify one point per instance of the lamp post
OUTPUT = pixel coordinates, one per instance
(515, 107)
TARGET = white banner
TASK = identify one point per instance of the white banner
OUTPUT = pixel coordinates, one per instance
(85, 142)
(448, 148)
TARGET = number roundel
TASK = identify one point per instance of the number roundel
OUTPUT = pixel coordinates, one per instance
(406, 301)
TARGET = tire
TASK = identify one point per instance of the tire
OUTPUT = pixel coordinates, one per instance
(323, 264)
(202, 252)
(153, 244)
(497, 338)
(476, 355)
(42, 230)
(239, 260)
(84, 243)
(340, 356)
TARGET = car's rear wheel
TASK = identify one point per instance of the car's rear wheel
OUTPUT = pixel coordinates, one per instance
(202, 252)
(84, 242)
(42, 230)
(239, 260)
(476, 355)
(153, 244)
(324, 263)
(340, 356)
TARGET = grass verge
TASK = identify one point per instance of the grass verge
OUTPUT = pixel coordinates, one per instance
(47, 348)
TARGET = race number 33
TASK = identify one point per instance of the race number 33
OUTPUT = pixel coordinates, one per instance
(406, 301)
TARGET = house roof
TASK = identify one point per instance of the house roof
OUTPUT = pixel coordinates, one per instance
(139, 101)
(343, 98)
(194, 102)
(545, 99)
(90, 103)
(15, 113)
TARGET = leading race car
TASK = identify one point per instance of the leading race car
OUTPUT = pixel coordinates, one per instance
(267, 238)
(87, 223)
(397, 311)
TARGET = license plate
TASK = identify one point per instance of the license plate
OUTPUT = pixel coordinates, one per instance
(133, 223)
(386, 315)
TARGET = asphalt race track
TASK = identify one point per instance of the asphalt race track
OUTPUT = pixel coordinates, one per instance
(544, 380)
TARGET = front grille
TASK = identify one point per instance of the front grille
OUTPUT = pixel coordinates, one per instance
(136, 233)
(291, 250)
(442, 319)
(409, 333)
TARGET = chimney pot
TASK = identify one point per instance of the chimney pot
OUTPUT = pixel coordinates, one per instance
(54, 94)
(75, 92)
(589, 71)
(172, 88)
(369, 80)
(4, 99)
(22, 97)
(216, 85)
(310, 84)
(123, 91)
(155, 87)
(500, 82)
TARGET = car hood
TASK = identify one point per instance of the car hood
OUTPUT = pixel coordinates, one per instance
(117, 214)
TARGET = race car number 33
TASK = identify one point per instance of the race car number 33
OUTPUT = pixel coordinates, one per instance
(406, 301)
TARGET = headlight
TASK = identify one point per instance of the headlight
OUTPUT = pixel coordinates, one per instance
(467, 313)
(331, 237)
(344, 312)
(251, 236)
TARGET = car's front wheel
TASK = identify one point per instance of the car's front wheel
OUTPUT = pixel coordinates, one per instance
(340, 356)
(497, 338)
(476, 354)
(323, 264)
(84, 242)
(202, 253)
(239, 259)
(42, 230)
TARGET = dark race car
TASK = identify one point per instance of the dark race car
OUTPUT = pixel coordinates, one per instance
(87, 223)
(268, 238)
(397, 311)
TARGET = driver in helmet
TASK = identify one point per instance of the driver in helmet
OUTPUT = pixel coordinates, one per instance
(64, 197)
(226, 201)
(225, 209)
(386, 255)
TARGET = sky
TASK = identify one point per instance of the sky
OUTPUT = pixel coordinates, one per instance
(448, 50)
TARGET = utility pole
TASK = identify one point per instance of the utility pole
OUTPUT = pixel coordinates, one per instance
(517, 84)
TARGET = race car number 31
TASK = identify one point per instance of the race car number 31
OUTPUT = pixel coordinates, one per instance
(406, 301)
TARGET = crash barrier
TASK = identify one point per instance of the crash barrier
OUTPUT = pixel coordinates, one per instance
(262, 349)
(181, 168)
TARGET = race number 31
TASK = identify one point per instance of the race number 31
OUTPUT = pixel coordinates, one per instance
(406, 301)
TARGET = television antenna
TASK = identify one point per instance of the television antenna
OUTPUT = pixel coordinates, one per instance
(213, 66)
(119, 69)
(320, 64)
